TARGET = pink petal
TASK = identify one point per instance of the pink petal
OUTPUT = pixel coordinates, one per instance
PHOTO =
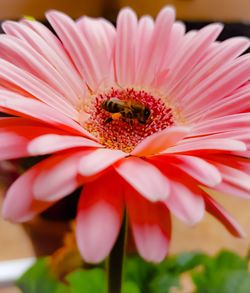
(144, 177)
(99, 33)
(145, 30)
(16, 104)
(191, 52)
(98, 160)
(19, 53)
(208, 144)
(77, 47)
(50, 143)
(229, 189)
(15, 135)
(199, 169)
(19, 204)
(215, 57)
(99, 218)
(151, 226)
(124, 48)
(160, 141)
(12, 146)
(151, 56)
(47, 45)
(218, 85)
(184, 203)
(36, 88)
(218, 212)
(57, 177)
(235, 177)
(223, 124)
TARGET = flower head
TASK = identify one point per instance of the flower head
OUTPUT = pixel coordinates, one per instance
(145, 116)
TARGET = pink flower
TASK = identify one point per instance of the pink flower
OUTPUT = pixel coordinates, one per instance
(145, 116)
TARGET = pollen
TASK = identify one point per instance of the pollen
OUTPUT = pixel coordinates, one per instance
(128, 117)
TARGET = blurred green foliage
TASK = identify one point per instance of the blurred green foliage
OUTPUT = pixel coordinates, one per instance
(225, 272)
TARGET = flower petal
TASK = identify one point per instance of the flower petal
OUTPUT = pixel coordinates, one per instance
(19, 204)
(215, 209)
(15, 135)
(98, 160)
(125, 46)
(100, 35)
(152, 57)
(151, 226)
(160, 141)
(37, 88)
(57, 177)
(99, 218)
(16, 104)
(22, 55)
(144, 177)
(223, 124)
(199, 169)
(41, 39)
(50, 143)
(208, 144)
(218, 85)
(185, 203)
(77, 47)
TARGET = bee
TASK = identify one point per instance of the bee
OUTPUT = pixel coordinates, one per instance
(130, 110)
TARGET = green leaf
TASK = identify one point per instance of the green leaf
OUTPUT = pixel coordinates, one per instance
(237, 281)
(224, 273)
(163, 283)
(230, 260)
(87, 281)
(130, 287)
(38, 279)
(139, 272)
(183, 262)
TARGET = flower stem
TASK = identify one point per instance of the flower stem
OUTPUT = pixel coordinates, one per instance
(116, 260)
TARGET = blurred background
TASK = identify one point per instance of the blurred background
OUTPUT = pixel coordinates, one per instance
(227, 10)
(17, 241)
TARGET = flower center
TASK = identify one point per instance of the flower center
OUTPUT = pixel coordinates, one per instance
(121, 118)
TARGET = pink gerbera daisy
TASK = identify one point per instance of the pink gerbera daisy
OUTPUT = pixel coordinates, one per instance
(147, 117)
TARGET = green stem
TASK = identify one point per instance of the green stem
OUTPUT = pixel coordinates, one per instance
(116, 260)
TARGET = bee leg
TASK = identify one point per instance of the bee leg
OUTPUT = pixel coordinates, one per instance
(108, 120)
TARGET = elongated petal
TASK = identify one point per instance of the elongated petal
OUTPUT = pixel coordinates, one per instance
(43, 41)
(57, 177)
(223, 124)
(36, 88)
(19, 204)
(215, 209)
(99, 160)
(235, 177)
(185, 203)
(218, 85)
(209, 144)
(160, 141)
(100, 35)
(125, 46)
(151, 226)
(21, 54)
(15, 135)
(216, 57)
(16, 104)
(151, 61)
(77, 47)
(50, 143)
(99, 218)
(199, 169)
(144, 177)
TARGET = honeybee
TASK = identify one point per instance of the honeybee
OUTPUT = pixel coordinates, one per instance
(127, 110)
